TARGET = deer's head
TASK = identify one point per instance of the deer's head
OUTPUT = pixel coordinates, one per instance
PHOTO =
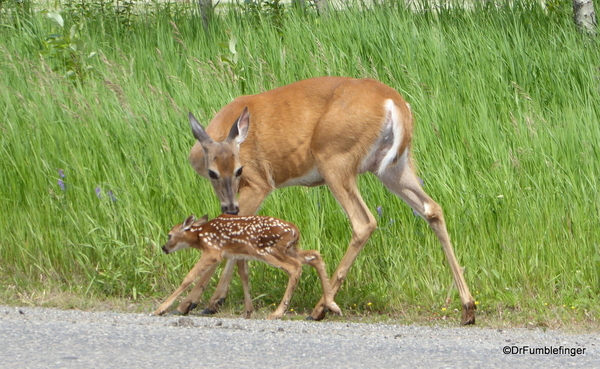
(184, 235)
(222, 160)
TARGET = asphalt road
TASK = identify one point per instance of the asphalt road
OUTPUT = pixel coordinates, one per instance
(52, 338)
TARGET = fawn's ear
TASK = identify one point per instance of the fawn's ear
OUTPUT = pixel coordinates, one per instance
(201, 221)
(188, 223)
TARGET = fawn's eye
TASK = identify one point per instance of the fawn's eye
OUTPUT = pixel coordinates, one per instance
(238, 172)
(212, 174)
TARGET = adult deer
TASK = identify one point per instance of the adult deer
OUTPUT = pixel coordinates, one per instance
(323, 130)
(267, 239)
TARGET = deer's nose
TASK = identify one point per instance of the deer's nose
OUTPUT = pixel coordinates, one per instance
(165, 250)
(230, 209)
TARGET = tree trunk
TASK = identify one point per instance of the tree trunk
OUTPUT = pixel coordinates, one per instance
(321, 5)
(584, 15)
(206, 11)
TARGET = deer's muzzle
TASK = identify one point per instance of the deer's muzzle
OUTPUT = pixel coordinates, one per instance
(232, 209)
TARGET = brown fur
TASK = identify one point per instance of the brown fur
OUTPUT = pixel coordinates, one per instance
(324, 130)
(267, 239)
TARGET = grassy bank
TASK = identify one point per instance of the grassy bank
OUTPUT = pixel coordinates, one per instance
(95, 139)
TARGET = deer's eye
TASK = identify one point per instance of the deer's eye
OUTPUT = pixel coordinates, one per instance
(212, 174)
(238, 172)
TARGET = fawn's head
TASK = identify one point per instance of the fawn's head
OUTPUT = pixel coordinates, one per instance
(184, 235)
(222, 160)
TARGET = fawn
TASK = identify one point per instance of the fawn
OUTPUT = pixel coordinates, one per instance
(267, 239)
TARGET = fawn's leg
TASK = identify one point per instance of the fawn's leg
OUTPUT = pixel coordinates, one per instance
(205, 264)
(293, 268)
(191, 301)
(314, 259)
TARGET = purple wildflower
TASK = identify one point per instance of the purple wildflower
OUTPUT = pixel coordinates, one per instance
(380, 211)
(61, 173)
(61, 184)
(98, 192)
(111, 195)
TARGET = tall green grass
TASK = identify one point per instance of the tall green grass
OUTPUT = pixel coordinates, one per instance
(507, 140)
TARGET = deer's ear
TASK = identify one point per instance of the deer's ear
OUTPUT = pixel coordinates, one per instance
(198, 131)
(239, 130)
(200, 222)
(188, 222)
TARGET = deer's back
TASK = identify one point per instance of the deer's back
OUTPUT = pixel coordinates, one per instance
(290, 123)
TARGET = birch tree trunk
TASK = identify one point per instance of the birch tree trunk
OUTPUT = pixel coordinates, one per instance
(206, 11)
(584, 15)
(321, 5)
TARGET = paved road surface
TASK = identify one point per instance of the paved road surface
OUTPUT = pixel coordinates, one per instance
(51, 338)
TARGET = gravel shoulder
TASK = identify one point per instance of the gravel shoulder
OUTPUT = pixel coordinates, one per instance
(53, 338)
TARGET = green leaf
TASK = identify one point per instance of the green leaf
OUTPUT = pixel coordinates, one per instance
(232, 43)
(226, 60)
(55, 16)
(73, 31)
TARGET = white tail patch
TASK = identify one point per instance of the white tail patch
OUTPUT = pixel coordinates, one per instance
(395, 120)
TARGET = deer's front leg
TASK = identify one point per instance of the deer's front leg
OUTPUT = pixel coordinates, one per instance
(218, 297)
(202, 266)
(251, 196)
(243, 272)
(363, 224)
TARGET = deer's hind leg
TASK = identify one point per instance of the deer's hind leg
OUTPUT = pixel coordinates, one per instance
(402, 181)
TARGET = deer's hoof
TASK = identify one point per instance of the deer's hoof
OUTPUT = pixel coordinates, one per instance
(468, 313)
(208, 311)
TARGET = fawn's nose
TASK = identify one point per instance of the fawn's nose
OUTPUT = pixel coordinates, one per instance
(165, 250)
